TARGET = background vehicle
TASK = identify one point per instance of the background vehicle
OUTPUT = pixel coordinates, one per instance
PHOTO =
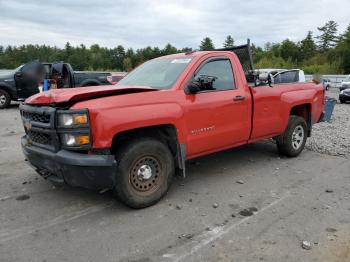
(344, 95)
(345, 84)
(289, 76)
(281, 76)
(131, 137)
(24, 81)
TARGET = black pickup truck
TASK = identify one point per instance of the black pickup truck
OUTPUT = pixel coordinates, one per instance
(25, 81)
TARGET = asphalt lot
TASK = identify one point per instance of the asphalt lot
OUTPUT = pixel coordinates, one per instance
(200, 219)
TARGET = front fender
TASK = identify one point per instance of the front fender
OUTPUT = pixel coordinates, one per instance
(109, 122)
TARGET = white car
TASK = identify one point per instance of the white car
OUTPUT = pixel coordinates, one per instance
(289, 76)
(282, 76)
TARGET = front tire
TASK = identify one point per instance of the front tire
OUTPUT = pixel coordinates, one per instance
(5, 99)
(293, 140)
(145, 171)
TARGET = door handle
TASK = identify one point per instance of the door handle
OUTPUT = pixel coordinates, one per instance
(238, 98)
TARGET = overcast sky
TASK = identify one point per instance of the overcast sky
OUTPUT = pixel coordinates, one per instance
(182, 23)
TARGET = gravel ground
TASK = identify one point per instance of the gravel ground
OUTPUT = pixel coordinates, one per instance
(333, 138)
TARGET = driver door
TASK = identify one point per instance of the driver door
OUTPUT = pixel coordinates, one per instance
(217, 118)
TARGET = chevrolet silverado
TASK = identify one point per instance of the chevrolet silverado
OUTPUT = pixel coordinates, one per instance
(133, 136)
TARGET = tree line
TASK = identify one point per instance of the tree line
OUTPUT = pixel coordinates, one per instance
(328, 52)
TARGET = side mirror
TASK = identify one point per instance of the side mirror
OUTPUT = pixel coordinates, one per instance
(193, 87)
(18, 74)
(202, 82)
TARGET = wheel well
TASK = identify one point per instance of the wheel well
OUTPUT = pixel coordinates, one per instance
(165, 133)
(8, 91)
(4, 88)
(303, 111)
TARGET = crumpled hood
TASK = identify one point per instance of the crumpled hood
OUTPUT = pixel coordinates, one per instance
(65, 95)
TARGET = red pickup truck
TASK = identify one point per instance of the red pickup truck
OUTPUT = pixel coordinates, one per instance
(132, 137)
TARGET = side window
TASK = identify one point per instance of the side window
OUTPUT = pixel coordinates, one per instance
(287, 77)
(221, 69)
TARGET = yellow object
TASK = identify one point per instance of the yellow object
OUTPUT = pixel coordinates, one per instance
(80, 119)
(82, 140)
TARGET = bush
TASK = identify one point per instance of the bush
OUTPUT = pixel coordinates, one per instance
(327, 68)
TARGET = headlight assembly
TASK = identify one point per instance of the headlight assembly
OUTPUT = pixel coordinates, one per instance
(73, 128)
(75, 140)
(71, 120)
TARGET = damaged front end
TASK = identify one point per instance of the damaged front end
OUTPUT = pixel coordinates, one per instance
(58, 145)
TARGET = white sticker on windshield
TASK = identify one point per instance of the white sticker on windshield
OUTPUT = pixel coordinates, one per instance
(181, 61)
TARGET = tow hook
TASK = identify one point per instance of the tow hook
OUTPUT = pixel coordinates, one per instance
(44, 173)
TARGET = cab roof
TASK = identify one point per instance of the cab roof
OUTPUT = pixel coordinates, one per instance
(191, 54)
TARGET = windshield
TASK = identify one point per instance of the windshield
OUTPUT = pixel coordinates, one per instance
(158, 73)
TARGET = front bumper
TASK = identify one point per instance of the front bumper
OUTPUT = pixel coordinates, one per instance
(90, 171)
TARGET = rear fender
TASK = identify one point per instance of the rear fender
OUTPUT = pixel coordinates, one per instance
(300, 102)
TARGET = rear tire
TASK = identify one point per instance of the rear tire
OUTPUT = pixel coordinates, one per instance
(145, 171)
(5, 99)
(293, 140)
(342, 101)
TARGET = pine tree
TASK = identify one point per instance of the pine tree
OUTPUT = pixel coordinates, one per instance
(229, 42)
(308, 47)
(206, 44)
(120, 55)
(169, 49)
(343, 51)
(328, 37)
(289, 50)
(127, 65)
